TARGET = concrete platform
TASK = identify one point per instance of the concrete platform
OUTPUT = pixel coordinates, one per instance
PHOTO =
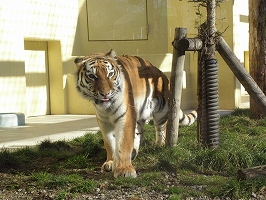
(52, 127)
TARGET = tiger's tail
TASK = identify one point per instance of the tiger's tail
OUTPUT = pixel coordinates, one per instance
(187, 119)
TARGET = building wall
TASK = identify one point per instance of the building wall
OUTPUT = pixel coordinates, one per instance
(63, 25)
(35, 20)
(164, 17)
(241, 45)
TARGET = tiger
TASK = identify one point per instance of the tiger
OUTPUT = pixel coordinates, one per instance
(126, 92)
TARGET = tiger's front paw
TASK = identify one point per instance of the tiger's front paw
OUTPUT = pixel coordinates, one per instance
(107, 166)
(128, 171)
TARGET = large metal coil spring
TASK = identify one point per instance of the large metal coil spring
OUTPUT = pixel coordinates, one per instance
(210, 98)
(212, 106)
(203, 137)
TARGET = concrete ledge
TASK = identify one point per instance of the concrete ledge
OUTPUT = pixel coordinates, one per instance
(12, 119)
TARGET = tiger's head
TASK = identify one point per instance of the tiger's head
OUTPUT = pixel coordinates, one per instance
(98, 77)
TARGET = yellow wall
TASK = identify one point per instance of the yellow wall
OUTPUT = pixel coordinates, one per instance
(170, 14)
(77, 104)
(184, 15)
(57, 82)
(63, 24)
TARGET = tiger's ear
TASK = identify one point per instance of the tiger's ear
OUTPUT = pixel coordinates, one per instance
(78, 62)
(111, 54)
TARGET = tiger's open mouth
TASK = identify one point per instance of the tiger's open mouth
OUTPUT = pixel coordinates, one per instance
(105, 99)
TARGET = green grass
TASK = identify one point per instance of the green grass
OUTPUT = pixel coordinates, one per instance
(186, 170)
(73, 183)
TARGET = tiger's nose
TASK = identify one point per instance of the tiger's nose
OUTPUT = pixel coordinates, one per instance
(104, 93)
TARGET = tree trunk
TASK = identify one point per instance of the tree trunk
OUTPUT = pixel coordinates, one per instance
(208, 116)
(257, 48)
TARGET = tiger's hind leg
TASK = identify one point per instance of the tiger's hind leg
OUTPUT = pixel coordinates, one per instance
(160, 121)
(160, 134)
(138, 138)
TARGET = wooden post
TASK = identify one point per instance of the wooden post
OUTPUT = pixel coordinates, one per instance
(175, 90)
(242, 75)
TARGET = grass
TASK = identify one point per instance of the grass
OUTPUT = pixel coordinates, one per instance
(71, 183)
(185, 170)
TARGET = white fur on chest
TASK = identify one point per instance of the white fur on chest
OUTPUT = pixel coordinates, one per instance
(109, 115)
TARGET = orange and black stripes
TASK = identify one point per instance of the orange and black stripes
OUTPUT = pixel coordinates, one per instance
(126, 91)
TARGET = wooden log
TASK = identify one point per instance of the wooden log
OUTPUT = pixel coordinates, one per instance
(251, 173)
(189, 44)
(242, 75)
(175, 90)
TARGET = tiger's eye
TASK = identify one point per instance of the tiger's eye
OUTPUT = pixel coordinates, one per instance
(92, 76)
(111, 74)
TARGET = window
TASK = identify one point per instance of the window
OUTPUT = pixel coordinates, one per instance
(117, 20)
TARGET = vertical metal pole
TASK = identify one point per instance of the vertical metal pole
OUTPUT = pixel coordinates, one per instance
(175, 89)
